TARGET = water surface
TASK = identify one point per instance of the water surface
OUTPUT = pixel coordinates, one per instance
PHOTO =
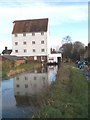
(23, 95)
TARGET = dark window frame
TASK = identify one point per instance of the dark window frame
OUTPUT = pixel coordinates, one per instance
(24, 43)
(17, 85)
(43, 50)
(33, 42)
(42, 42)
(25, 50)
(16, 51)
(26, 85)
(35, 77)
(16, 43)
(34, 50)
(17, 78)
(26, 78)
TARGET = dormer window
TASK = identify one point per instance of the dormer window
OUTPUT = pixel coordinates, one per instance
(33, 34)
(15, 34)
(42, 33)
(24, 34)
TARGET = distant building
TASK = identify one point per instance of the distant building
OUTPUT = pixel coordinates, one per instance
(30, 39)
(52, 50)
(6, 51)
(7, 57)
(87, 52)
(54, 58)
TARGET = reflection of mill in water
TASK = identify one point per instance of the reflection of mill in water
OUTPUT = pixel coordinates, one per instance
(30, 88)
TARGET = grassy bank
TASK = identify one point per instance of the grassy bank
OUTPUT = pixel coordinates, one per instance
(69, 95)
(0, 69)
(10, 69)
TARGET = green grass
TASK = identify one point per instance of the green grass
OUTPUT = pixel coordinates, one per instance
(0, 69)
(6, 67)
(10, 67)
(29, 66)
(68, 97)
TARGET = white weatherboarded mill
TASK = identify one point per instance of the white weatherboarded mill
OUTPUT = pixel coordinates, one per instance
(30, 39)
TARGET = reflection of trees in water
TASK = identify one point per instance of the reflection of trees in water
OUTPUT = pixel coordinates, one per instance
(41, 70)
(32, 101)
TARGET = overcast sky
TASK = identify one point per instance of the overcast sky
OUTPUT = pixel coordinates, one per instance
(65, 18)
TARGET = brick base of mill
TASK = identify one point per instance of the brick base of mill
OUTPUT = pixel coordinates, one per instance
(35, 58)
(38, 58)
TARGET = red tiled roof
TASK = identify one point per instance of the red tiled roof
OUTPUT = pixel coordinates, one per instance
(35, 25)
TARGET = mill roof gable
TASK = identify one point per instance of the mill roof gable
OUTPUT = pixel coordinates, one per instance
(27, 26)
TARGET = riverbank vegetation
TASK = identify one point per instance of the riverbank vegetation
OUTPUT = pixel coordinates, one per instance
(69, 95)
(9, 68)
(0, 69)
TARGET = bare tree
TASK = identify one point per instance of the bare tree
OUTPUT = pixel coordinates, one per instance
(72, 50)
(66, 39)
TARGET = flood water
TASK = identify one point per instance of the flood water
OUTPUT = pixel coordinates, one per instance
(23, 95)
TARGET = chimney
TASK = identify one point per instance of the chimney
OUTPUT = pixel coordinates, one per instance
(5, 48)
